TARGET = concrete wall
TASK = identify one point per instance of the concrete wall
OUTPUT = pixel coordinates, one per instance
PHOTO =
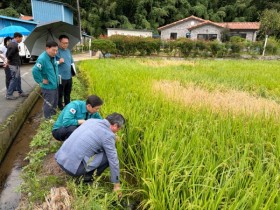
(181, 29)
(115, 31)
(207, 29)
(250, 34)
(10, 128)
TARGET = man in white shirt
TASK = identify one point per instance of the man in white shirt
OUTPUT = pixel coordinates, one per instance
(3, 50)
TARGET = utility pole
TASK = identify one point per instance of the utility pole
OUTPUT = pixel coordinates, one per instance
(79, 19)
(265, 42)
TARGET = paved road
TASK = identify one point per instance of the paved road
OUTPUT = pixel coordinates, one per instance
(7, 107)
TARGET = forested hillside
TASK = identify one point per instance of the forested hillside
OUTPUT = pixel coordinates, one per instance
(97, 15)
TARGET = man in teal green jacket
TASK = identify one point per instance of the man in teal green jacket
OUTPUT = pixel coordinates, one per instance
(45, 73)
(74, 114)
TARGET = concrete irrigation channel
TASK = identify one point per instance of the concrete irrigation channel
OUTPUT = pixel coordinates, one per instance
(19, 120)
(13, 161)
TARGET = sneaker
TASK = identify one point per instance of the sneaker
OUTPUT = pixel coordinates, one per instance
(23, 94)
(11, 97)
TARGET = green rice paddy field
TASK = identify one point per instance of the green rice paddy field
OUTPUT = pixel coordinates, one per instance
(200, 134)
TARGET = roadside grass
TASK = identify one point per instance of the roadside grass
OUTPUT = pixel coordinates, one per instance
(176, 156)
(42, 174)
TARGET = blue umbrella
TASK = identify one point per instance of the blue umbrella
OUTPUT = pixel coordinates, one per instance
(10, 30)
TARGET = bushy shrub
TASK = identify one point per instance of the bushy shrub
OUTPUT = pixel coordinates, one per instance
(235, 47)
(214, 47)
(272, 46)
(185, 46)
(237, 44)
(104, 45)
(254, 48)
(237, 39)
(201, 48)
(169, 46)
(147, 46)
(131, 45)
(124, 45)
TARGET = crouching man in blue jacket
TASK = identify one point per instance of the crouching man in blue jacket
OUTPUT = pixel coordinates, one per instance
(92, 147)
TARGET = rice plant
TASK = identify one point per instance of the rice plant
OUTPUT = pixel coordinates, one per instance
(194, 156)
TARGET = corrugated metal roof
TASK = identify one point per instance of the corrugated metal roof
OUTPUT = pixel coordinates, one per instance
(17, 19)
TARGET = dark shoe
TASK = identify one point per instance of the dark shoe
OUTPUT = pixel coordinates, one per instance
(11, 97)
(23, 94)
(88, 179)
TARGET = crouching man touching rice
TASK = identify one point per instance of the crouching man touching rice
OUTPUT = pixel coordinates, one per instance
(74, 114)
(92, 147)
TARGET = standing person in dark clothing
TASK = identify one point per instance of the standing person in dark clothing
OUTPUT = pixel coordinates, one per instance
(65, 60)
(13, 60)
(45, 73)
(3, 51)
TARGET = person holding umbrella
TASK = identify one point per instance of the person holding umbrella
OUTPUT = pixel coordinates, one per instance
(45, 73)
(14, 61)
(65, 60)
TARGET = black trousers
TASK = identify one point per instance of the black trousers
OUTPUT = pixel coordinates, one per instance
(64, 92)
(63, 133)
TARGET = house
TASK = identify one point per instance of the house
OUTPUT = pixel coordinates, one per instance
(196, 28)
(129, 32)
(44, 11)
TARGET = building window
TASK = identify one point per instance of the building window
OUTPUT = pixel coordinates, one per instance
(188, 35)
(242, 35)
(209, 37)
(173, 36)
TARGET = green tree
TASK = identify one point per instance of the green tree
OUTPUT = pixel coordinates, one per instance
(270, 22)
(98, 15)
(9, 12)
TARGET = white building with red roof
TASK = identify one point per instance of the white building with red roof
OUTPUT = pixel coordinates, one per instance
(196, 28)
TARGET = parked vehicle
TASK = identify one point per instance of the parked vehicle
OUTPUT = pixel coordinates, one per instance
(24, 52)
